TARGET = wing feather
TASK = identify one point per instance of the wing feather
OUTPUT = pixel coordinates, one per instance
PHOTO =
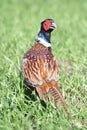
(40, 71)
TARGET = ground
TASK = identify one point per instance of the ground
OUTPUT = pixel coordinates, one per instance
(19, 25)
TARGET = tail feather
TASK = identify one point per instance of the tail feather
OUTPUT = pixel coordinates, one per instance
(55, 94)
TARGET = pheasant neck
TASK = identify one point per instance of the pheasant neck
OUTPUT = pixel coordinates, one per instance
(44, 38)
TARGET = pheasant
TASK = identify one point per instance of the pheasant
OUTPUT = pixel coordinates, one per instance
(39, 67)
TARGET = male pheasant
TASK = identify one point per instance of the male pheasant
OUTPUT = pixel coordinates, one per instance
(39, 67)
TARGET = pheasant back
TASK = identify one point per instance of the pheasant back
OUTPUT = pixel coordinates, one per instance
(40, 72)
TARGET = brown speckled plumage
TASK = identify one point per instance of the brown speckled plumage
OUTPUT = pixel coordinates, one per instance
(40, 72)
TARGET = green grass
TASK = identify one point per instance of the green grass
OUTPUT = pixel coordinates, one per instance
(19, 24)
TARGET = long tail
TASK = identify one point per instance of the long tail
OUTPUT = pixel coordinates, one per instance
(55, 95)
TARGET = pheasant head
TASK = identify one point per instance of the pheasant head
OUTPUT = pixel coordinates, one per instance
(44, 36)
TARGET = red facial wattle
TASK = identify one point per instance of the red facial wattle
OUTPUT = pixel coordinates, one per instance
(46, 25)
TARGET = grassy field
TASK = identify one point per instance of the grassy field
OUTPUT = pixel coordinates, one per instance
(19, 24)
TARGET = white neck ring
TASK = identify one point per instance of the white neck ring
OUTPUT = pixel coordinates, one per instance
(42, 41)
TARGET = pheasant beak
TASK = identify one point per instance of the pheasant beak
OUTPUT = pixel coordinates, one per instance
(53, 26)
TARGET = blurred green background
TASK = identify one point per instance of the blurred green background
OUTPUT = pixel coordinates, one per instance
(19, 24)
